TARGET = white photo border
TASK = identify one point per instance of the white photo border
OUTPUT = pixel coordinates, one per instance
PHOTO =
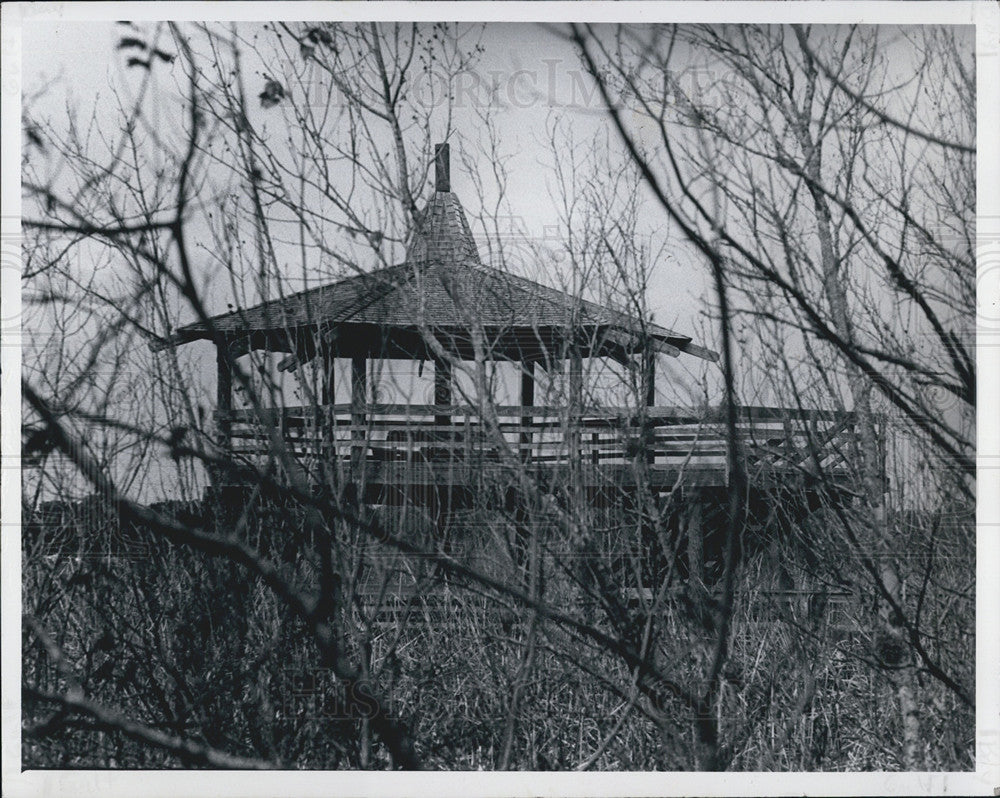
(984, 780)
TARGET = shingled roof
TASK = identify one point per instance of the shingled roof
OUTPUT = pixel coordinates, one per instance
(443, 284)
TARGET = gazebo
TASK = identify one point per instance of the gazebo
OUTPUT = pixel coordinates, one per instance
(445, 306)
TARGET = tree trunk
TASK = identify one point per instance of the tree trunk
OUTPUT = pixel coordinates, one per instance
(889, 635)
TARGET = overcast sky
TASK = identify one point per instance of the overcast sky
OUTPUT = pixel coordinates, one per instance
(76, 65)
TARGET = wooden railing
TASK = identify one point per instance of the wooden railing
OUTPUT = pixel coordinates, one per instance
(660, 439)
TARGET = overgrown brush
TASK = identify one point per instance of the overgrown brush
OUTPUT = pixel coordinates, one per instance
(189, 645)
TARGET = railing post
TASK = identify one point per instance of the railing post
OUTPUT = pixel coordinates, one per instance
(442, 389)
(527, 400)
(575, 403)
(575, 417)
(328, 392)
(443, 440)
(327, 421)
(649, 376)
(359, 397)
(224, 393)
(467, 424)
(649, 398)
(734, 447)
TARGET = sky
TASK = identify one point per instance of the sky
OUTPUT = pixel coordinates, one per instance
(541, 81)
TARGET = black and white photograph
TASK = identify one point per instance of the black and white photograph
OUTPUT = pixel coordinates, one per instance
(560, 400)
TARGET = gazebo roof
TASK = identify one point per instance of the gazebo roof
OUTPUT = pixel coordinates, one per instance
(443, 286)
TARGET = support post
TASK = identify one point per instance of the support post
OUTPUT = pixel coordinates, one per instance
(649, 398)
(224, 393)
(527, 400)
(442, 434)
(575, 405)
(328, 394)
(442, 390)
(649, 376)
(359, 397)
(326, 418)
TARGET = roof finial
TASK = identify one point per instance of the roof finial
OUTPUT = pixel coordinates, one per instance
(442, 168)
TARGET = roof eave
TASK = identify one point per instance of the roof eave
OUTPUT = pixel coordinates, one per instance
(177, 338)
(704, 353)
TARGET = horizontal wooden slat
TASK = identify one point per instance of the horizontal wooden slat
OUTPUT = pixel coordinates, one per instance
(412, 437)
(659, 415)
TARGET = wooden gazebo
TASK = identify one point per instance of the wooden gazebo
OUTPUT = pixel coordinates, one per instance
(444, 305)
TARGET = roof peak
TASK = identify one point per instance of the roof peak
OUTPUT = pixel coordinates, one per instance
(442, 234)
(442, 167)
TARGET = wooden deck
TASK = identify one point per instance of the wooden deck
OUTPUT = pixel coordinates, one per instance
(456, 445)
